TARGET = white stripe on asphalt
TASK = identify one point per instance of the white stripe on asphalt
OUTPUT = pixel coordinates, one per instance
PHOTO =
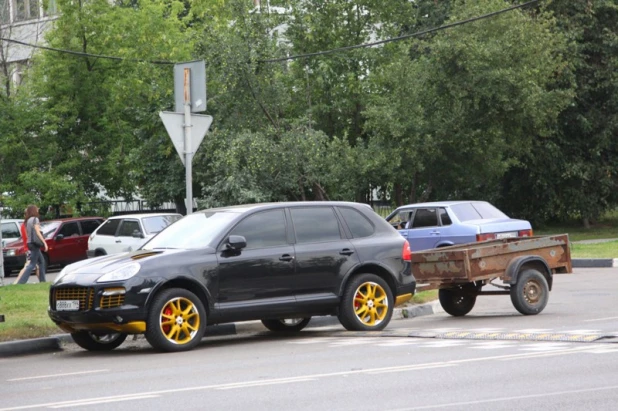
(56, 375)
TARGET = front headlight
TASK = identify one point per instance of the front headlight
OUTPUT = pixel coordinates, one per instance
(10, 253)
(123, 273)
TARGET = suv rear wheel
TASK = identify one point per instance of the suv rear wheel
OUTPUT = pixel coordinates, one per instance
(367, 304)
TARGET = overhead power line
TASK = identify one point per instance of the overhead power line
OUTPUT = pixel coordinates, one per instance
(82, 54)
(404, 37)
(300, 56)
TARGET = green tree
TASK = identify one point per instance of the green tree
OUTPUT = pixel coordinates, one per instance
(574, 174)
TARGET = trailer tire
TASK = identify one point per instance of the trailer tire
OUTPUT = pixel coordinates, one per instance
(530, 293)
(458, 301)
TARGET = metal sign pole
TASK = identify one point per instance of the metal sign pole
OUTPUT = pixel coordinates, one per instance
(188, 145)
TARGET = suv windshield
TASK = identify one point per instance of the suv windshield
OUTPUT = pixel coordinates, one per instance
(192, 231)
(155, 224)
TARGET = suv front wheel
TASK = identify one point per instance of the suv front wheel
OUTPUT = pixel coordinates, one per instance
(367, 304)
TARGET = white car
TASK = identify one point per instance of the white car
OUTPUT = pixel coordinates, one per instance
(11, 230)
(127, 232)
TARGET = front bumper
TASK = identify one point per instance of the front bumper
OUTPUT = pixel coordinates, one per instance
(105, 307)
(14, 263)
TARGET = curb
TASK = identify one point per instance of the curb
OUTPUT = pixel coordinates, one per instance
(54, 343)
(594, 262)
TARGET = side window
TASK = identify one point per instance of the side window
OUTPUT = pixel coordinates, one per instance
(10, 230)
(109, 227)
(425, 217)
(358, 224)
(444, 217)
(261, 230)
(88, 226)
(69, 230)
(400, 219)
(316, 224)
(128, 227)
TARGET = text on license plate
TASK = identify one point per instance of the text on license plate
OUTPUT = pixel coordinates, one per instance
(67, 305)
(506, 235)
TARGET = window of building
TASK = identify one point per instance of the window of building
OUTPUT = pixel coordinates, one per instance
(50, 8)
(26, 10)
(5, 12)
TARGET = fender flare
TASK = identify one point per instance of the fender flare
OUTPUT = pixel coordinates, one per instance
(514, 267)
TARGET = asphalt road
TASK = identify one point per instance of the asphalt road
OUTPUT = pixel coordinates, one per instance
(327, 368)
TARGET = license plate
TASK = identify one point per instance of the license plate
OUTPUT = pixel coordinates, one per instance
(506, 235)
(67, 305)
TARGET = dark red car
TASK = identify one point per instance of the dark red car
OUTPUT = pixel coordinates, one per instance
(67, 240)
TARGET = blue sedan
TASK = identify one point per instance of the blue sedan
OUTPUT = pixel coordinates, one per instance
(440, 224)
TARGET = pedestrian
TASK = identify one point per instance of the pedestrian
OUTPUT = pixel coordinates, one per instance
(24, 239)
(33, 229)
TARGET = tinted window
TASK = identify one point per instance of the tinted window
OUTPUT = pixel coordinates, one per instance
(425, 217)
(88, 226)
(128, 227)
(265, 229)
(444, 217)
(10, 230)
(358, 224)
(316, 224)
(109, 227)
(69, 230)
(153, 225)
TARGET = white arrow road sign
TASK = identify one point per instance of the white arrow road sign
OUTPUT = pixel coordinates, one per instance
(174, 124)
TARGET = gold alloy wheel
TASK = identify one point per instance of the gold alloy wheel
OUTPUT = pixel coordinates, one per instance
(370, 303)
(180, 320)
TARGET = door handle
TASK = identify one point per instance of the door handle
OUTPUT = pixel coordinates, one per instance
(118, 241)
(286, 257)
(346, 251)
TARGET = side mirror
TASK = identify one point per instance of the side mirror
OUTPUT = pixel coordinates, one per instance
(137, 234)
(59, 237)
(236, 242)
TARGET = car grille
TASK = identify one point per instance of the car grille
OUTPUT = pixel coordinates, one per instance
(111, 301)
(85, 295)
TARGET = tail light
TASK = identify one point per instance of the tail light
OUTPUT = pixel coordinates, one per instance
(525, 233)
(485, 237)
(406, 253)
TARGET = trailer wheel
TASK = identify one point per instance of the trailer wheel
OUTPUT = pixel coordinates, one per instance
(458, 301)
(530, 293)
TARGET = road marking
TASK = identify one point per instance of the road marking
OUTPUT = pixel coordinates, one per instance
(600, 319)
(502, 399)
(56, 375)
(302, 378)
(80, 403)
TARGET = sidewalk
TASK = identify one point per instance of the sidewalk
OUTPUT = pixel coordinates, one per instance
(54, 343)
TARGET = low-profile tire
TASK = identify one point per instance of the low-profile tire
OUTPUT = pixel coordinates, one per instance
(367, 304)
(530, 293)
(286, 324)
(458, 301)
(176, 320)
(94, 341)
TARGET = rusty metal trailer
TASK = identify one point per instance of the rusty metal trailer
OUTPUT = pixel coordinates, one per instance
(525, 266)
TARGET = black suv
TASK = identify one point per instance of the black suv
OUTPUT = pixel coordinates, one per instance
(280, 263)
